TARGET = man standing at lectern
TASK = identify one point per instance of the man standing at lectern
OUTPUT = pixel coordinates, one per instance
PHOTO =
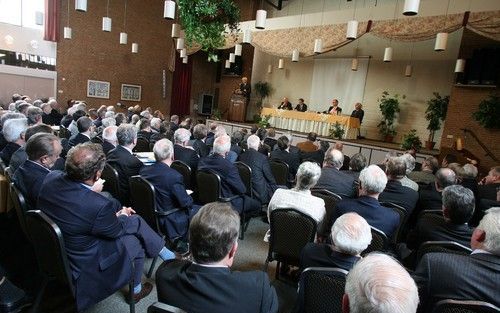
(245, 89)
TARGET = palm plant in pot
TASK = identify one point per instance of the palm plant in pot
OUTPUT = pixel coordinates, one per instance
(435, 114)
(263, 90)
(389, 107)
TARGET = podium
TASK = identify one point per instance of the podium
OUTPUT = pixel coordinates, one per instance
(237, 108)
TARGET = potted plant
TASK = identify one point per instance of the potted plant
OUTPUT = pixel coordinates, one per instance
(435, 114)
(337, 131)
(389, 107)
(263, 90)
(411, 141)
(216, 114)
(263, 122)
(488, 113)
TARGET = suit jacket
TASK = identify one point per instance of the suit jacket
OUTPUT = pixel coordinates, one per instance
(28, 179)
(201, 289)
(144, 134)
(18, 158)
(339, 110)
(398, 194)
(292, 159)
(460, 277)
(7, 152)
(301, 108)
(317, 156)
(186, 155)
(106, 147)
(77, 139)
(170, 194)
(246, 90)
(336, 181)
(49, 119)
(285, 106)
(127, 165)
(430, 199)
(200, 147)
(488, 191)
(321, 255)
(97, 242)
(307, 146)
(263, 182)
(358, 114)
(385, 219)
(271, 142)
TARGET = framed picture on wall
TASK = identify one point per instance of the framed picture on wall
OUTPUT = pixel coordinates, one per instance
(131, 92)
(98, 89)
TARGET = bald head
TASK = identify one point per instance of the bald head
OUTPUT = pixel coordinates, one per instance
(85, 162)
(333, 158)
(351, 234)
(445, 177)
(222, 145)
(339, 146)
(253, 142)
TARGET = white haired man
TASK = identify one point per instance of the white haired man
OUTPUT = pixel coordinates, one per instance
(332, 178)
(13, 131)
(109, 139)
(378, 283)
(182, 151)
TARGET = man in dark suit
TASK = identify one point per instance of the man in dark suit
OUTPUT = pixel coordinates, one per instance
(489, 185)
(208, 284)
(43, 150)
(430, 199)
(334, 108)
(13, 131)
(85, 129)
(170, 192)
(231, 183)
(145, 131)
(200, 135)
(122, 159)
(106, 244)
(458, 207)
(182, 151)
(372, 181)
(394, 191)
(19, 157)
(285, 105)
(350, 236)
(245, 89)
(465, 277)
(109, 140)
(301, 106)
(334, 180)
(270, 138)
(263, 182)
(284, 154)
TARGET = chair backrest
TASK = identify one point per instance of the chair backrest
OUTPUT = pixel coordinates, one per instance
(185, 171)
(398, 235)
(331, 200)
(209, 186)
(456, 306)
(280, 171)
(142, 196)
(442, 246)
(431, 214)
(379, 242)
(142, 145)
(246, 176)
(321, 289)
(8, 174)
(159, 307)
(20, 206)
(112, 182)
(97, 139)
(64, 132)
(291, 230)
(49, 248)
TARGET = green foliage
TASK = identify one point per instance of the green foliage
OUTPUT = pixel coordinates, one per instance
(437, 108)
(337, 131)
(488, 113)
(263, 121)
(204, 23)
(411, 141)
(389, 107)
(216, 114)
(263, 90)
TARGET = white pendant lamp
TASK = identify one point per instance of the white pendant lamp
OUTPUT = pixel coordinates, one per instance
(237, 49)
(388, 54)
(408, 70)
(81, 5)
(68, 33)
(123, 38)
(106, 24)
(352, 30)
(260, 19)
(180, 43)
(441, 41)
(228, 64)
(411, 7)
(269, 69)
(169, 10)
(183, 52)
(135, 47)
(460, 66)
(295, 55)
(318, 46)
(176, 30)
(232, 57)
(281, 64)
(354, 64)
(185, 60)
(247, 36)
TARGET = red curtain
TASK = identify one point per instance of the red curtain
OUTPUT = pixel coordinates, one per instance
(181, 88)
(51, 25)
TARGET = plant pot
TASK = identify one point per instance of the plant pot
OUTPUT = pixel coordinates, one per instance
(429, 145)
(389, 138)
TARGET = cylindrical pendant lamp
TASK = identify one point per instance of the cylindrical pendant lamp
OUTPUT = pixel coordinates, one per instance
(238, 49)
(232, 57)
(123, 38)
(318, 46)
(228, 64)
(352, 30)
(185, 60)
(281, 64)
(295, 55)
(441, 41)
(408, 70)
(106, 24)
(176, 30)
(135, 47)
(260, 19)
(68, 33)
(183, 52)
(247, 36)
(81, 5)
(269, 69)
(460, 66)
(180, 43)
(354, 64)
(388, 54)
(169, 10)
(411, 7)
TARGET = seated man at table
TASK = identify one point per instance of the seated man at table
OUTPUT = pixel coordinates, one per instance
(207, 284)
(334, 108)
(301, 106)
(285, 105)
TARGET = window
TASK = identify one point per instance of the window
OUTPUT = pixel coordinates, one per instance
(26, 13)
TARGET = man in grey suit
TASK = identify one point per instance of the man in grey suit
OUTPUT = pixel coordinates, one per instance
(334, 180)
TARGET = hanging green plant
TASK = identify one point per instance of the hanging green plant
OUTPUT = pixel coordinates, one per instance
(204, 22)
(488, 113)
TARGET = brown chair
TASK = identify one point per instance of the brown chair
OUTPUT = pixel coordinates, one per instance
(456, 306)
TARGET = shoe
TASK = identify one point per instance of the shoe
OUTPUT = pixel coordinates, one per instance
(12, 299)
(145, 291)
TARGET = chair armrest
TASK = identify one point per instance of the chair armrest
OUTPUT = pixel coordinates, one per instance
(222, 199)
(166, 213)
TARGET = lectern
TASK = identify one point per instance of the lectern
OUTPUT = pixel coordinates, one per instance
(237, 108)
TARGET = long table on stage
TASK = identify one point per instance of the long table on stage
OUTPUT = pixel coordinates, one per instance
(311, 122)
